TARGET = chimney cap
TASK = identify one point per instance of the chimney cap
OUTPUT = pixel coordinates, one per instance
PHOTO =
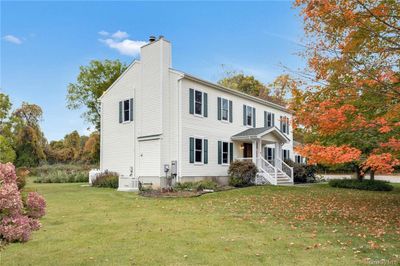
(152, 38)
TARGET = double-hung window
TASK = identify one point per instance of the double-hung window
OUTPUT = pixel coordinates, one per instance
(225, 152)
(269, 119)
(249, 116)
(198, 152)
(126, 110)
(298, 159)
(269, 154)
(198, 103)
(285, 124)
(285, 154)
(224, 109)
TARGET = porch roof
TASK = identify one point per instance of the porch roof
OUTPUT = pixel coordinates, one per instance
(259, 132)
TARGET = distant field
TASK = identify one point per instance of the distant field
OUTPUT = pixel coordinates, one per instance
(315, 225)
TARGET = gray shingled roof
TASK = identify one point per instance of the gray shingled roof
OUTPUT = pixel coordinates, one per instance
(252, 131)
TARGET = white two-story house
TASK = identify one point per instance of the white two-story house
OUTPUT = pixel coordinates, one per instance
(155, 118)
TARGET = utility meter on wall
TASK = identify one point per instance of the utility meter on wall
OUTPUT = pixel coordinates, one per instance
(166, 168)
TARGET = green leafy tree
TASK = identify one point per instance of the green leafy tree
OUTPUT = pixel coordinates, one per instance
(29, 149)
(7, 153)
(247, 84)
(29, 141)
(277, 92)
(93, 80)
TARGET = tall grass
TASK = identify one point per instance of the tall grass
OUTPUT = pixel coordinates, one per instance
(61, 173)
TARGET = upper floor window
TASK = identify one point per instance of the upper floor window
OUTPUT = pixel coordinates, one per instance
(126, 110)
(197, 102)
(269, 119)
(249, 116)
(285, 124)
(224, 109)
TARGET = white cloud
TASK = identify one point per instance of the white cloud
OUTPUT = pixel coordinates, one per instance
(12, 39)
(125, 47)
(103, 33)
(120, 35)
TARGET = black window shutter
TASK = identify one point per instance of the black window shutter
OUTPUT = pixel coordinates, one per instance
(265, 119)
(219, 108)
(231, 152)
(272, 119)
(288, 125)
(254, 117)
(244, 115)
(191, 101)
(219, 152)
(120, 111)
(205, 104)
(191, 150)
(230, 112)
(205, 151)
(131, 109)
(280, 123)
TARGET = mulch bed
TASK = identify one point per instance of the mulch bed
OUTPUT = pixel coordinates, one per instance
(179, 194)
(171, 194)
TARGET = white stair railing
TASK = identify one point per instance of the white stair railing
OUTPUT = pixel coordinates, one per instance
(269, 171)
(286, 169)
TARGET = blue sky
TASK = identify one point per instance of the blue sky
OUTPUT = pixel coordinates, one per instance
(44, 43)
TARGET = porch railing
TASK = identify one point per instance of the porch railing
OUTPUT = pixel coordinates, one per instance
(269, 171)
(286, 169)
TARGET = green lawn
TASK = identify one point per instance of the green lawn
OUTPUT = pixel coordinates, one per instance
(315, 225)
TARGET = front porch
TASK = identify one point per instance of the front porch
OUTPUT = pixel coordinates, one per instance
(263, 146)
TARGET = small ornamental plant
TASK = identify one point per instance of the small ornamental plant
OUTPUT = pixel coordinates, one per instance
(17, 218)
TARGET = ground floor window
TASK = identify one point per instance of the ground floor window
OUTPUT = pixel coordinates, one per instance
(270, 155)
(285, 154)
(225, 152)
(298, 159)
(198, 150)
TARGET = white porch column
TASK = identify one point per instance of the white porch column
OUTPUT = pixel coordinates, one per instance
(278, 154)
(254, 151)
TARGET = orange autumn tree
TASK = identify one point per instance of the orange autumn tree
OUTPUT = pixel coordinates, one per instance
(350, 110)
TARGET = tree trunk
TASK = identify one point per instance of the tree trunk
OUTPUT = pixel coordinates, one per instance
(359, 175)
(372, 175)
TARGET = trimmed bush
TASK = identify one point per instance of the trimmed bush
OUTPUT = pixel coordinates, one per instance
(373, 185)
(242, 173)
(302, 173)
(106, 179)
